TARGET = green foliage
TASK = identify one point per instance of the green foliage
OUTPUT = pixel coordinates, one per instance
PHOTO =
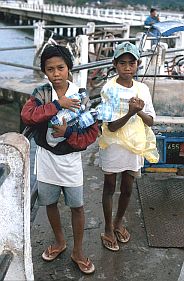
(163, 4)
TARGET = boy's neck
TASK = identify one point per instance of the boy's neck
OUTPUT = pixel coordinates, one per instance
(125, 83)
(61, 91)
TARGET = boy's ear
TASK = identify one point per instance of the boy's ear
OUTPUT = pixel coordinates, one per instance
(114, 63)
(139, 62)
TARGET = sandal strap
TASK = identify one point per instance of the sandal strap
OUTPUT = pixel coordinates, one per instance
(51, 251)
(87, 264)
(108, 239)
(122, 232)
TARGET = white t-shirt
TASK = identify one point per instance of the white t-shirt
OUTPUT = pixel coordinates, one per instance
(63, 170)
(116, 158)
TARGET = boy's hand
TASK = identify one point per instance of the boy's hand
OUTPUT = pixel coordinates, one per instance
(69, 103)
(135, 105)
(59, 131)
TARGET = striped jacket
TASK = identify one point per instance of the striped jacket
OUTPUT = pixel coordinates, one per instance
(39, 109)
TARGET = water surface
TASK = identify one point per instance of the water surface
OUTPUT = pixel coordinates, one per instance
(15, 38)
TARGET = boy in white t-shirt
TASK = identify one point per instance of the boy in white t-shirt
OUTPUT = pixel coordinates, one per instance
(58, 159)
(121, 92)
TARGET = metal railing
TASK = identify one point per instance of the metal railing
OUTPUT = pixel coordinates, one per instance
(93, 65)
(111, 15)
(90, 65)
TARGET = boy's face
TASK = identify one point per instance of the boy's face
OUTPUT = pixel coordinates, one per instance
(126, 66)
(56, 71)
(154, 14)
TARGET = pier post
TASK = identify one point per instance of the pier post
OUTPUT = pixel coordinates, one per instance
(157, 63)
(15, 206)
(90, 31)
(39, 34)
(126, 31)
(180, 41)
(162, 48)
(90, 28)
(80, 78)
(143, 45)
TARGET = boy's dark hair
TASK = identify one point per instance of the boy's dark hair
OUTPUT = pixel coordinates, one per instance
(152, 10)
(56, 51)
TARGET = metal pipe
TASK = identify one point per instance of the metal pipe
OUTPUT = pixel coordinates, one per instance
(59, 26)
(19, 27)
(125, 39)
(82, 26)
(20, 65)
(173, 50)
(5, 261)
(155, 75)
(120, 39)
(91, 65)
(112, 40)
(18, 48)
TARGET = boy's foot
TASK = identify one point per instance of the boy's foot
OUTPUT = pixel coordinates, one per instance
(86, 267)
(122, 234)
(51, 253)
(109, 243)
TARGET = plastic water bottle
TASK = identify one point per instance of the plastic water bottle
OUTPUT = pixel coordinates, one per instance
(87, 118)
(84, 99)
(105, 112)
(69, 116)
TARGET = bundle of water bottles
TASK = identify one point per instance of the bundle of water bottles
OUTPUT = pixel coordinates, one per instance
(84, 116)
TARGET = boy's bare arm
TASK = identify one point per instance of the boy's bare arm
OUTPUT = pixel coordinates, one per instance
(147, 119)
(115, 125)
(135, 106)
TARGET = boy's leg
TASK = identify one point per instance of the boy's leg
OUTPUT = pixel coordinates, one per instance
(55, 222)
(57, 248)
(74, 199)
(78, 231)
(124, 198)
(84, 264)
(48, 195)
(108, 191)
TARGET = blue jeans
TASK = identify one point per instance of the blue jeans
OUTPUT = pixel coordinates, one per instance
(154, 33)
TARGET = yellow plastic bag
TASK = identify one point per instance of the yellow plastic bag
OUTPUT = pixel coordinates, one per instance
(134, 136)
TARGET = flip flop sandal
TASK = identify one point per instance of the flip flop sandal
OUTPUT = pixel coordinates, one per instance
(85, 267)
(121, 234)
(50, 254)
(109, 243)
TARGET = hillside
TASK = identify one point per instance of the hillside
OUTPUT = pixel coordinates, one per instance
(136, 4)
(163, 4)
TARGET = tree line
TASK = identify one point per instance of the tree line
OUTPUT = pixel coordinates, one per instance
(177, 5)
